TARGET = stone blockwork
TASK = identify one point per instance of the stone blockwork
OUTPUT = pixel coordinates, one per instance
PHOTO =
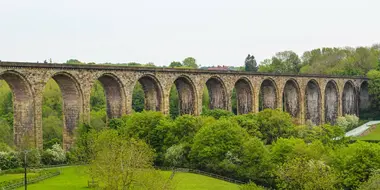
(306, 97)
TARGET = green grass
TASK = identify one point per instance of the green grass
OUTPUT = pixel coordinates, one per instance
(76, 177)
(373, 135)
(189, 181)
(7, 177)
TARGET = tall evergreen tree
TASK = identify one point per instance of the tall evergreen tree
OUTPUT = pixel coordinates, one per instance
(250, 63)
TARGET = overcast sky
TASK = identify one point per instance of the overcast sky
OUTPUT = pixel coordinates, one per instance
(215, 32)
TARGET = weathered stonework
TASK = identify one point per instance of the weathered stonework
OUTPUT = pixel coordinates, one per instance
(306, 97)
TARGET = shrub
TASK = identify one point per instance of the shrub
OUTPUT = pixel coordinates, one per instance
(5, 148)
(33, 157)
(53, 156)
(372, 183)
(217, 113)
(251, 186)
(347, 122)
(9, 160)
(175, 155)
(356, 162)
(250, 123)
(49, 144)
(142, 125)
(214, 143)
(274, 124)
(306, 174)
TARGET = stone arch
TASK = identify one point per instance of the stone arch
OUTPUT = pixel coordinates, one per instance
(364, 98)
(349, 98)
(244, 93)
(72, 109)
(313, 102)
(268, 94)
(153, 92)
(217, 92)
(186, 94)
(291, 98)
(114, 92)
(331, 102)
(23, 108)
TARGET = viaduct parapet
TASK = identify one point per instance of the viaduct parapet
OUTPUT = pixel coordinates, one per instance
(318, 98)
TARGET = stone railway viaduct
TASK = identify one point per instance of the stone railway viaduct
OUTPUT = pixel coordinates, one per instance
(318, 98)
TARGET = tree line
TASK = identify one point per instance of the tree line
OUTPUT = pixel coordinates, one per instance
(266, 148)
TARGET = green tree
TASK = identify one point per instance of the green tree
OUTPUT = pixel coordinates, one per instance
(217, 113)
(217, 143)
(190, 62)
(142, 125)
(274, 123)
(254, 162)
(250, 123)
(174, 102)
(138, 98)
(306, 174)
(372, 183)
(356, 162)
(175, 64)
(250, 63)
(6, 133)
(122, 163)
(374, 88)
(98, 97)
(73, 61)
(282, 62)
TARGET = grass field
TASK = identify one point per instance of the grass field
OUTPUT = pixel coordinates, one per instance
(373, 135)
(8, 177)
(76, 177)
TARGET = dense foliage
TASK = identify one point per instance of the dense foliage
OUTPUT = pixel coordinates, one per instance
(266, 148)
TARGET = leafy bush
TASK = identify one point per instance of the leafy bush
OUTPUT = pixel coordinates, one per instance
(214, 143)
(175, 155)
(33, 157)
(250, 123)
(142, 125)
(253, 162)
(49, 144)
(300, 173)
(217, 113)
(5, 148)
(356, 162)
(347, 122)
(54, 156)
(274, 124)
(251, 186)
(9, 160)
(372, 183)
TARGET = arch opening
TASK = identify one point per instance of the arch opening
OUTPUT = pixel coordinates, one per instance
(349, 99)
(268, 95)
(313, 102)
(243, 95)
(72, 106)
(291, 98)
(331, 102)
(182, 97)
(23, 109)
(364, 99)
(152, 94)
(217, 94)
(52, 115)
(114, 95)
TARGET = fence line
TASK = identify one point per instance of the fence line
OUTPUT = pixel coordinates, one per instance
(188, 170)
(30, 181)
